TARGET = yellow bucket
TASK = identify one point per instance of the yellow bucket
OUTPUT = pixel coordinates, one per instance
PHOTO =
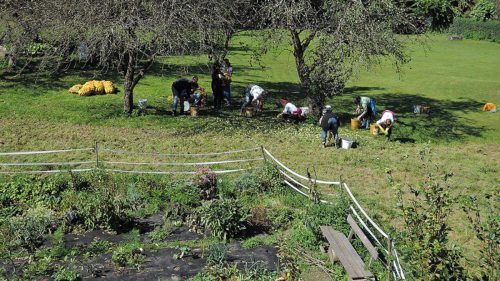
(374, 129)
(249, 112)
(355, 123)
(194, 111)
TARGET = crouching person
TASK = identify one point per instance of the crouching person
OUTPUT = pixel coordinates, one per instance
(254, 96)
(386, 123)
(290, 111)
(329, 124)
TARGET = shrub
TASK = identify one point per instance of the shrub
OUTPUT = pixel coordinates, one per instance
(324, 214)
(247, 182)
(130, 251)
(471, 29)
(216, 254)
(104, 208)
(280, 218)
(225, 218)
(436, 14)
(483, 10)
(158, 235)
(65, 274)
(29, 230)
(206, 180)
(32, 191)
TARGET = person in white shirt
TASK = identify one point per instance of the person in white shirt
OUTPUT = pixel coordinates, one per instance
(290, 111)
(253, 94)
(386, 123)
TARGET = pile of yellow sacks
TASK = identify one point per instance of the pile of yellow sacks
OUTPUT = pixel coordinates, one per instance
(93, 87)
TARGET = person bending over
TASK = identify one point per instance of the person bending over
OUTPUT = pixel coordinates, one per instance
(329, 124)
(181, 90)
(386, 123)
(253, 95)
(366, 110)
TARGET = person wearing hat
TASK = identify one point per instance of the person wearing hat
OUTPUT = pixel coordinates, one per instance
(290, 111)
(329, 124)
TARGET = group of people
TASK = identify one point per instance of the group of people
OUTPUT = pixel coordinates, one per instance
(188, 90)
(365, 113)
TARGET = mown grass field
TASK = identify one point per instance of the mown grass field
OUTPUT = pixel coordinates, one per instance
(455, 78)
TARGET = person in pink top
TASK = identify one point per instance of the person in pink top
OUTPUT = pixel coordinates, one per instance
(386, 123)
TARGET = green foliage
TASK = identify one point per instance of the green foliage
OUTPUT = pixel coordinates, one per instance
(98, 247)
(247, 182)
(477, 30)
(437, 14)
(158, 235)
(280, 218)
(130, 251)
(183, 194)
(216, 254)
(29, 230)
(301, 235)
(487, 230)
(225, 218)
(325, 214)
(102, 208)
(483, 10)
(32, 191)
(65, 274)
(183, 252)
(206, 181)
(426, 237)
(58, 249)
(252, 242)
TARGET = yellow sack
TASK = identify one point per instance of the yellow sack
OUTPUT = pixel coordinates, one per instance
(109, 88)
(87, 89)
(75, 88)
(98, 87)
(489, 106)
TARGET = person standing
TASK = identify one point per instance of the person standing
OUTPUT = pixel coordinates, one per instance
(181, 90)
(217, 86)
(386, 123)
(366, 110)
(227, 71)
(329, 124)
(253, 94)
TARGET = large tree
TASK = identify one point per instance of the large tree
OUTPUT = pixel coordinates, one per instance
(122, 36)
(331, 39)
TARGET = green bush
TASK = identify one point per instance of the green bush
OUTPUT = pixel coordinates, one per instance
(483, 10)
(103, 208)
(225, 218)
(437, 14)
(65, 274)
(324, 214)
(32, 191)
(477, 30)
(280, 218)
(216, 254)
(30, 230)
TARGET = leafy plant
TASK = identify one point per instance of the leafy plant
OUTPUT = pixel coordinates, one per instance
(98, 247)
(158, 235)
(477, 30)
(225, 218)
(325, 214)
(280, 218)
(487, 230)
(483, 10)
(216, 254)
(65, 274)
(183, 252)
(426, 236)
(29, 230)
(206, 180)
(128, 254)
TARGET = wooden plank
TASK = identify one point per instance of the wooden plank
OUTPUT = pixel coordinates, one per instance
(364, 239)
(345, 252)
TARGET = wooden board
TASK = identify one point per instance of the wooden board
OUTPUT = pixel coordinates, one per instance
(346, 253)
(361, 235)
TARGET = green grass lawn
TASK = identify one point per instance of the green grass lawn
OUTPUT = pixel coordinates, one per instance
(455, 78)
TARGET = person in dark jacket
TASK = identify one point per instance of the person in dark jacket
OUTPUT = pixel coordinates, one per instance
(182, 90)
(217, 86)
(329, 124)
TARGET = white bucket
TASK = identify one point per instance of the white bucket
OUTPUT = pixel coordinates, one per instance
(346, 143)
(143, 103)
(186, 106)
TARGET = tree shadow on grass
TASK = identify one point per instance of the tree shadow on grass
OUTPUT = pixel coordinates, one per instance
(441, 123)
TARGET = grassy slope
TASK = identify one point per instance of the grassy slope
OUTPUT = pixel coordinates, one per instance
(454, 77)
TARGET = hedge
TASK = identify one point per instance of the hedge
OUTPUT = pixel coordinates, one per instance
(477, 30)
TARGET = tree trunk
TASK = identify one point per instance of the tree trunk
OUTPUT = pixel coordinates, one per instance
(315, 102)
(128, 85)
